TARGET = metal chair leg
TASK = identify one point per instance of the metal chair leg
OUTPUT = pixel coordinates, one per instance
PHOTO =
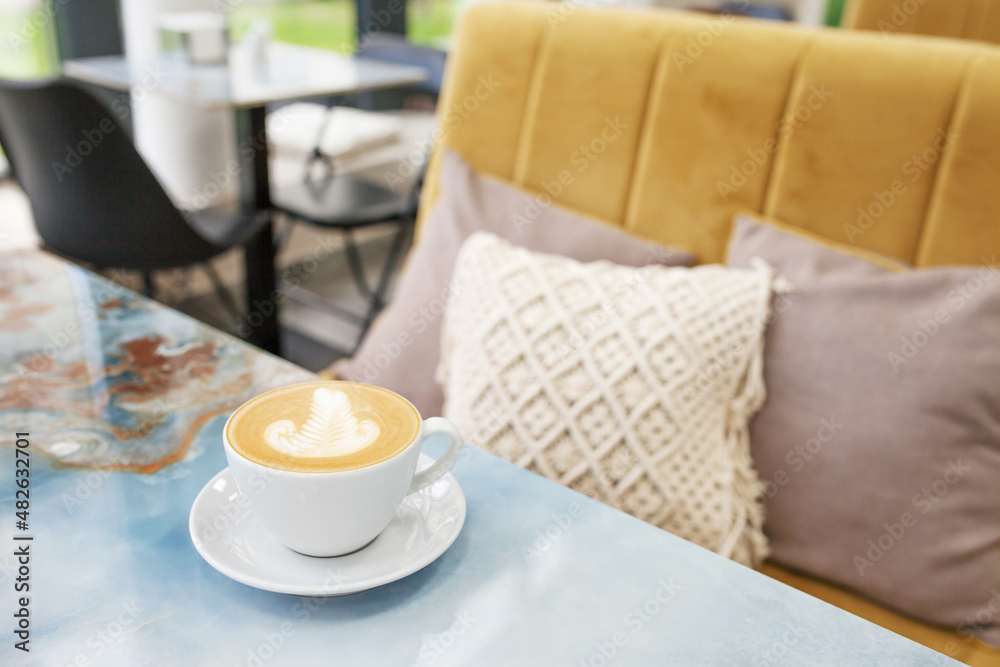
(148, 284)
(225, 296)
(355, 263)
(377, 299)
(284, 233)
(375, 296)
(399, 242)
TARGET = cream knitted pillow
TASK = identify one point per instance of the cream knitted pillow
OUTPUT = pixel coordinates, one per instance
(633, 386)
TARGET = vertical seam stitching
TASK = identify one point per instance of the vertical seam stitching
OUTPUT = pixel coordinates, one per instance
(642, 145)
(971, 10)
(766, 203)
(937, 182)
(531, 101)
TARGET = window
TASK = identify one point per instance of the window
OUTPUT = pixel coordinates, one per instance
(326, 24)
(430, 22)
(331, 24)
(27, 40)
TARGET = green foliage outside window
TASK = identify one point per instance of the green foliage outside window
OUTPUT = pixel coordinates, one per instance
(330, 24)
(27, 41)
(835, 12)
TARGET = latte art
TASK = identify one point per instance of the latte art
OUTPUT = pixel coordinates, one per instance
(331, 430)
(323, 426)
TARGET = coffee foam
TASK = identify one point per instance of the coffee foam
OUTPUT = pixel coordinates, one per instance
(323, 427)
(332, 429)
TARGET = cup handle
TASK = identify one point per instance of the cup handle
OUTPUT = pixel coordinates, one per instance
(439, 468)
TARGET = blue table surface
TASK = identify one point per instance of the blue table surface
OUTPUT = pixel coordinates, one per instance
(125, 401)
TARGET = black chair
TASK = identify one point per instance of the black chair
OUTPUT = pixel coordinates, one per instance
(93, 197)
(346, 202)
(395, 49)
(6, 169)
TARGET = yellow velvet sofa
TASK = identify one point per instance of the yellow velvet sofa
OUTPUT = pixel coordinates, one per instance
(965, 19)
(667, 123)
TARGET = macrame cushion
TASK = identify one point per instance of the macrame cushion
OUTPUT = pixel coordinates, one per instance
(632, 385)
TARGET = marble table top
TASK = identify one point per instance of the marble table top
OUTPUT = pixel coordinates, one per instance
(125, 402)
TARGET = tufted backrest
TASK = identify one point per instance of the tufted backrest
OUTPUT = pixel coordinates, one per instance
(966, 19)
(667, 123)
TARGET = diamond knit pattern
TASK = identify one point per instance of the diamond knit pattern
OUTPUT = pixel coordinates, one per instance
(632, 386)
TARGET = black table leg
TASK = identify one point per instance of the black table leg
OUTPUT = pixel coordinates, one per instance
(259, 254)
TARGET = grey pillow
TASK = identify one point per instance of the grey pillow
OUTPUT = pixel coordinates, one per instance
(402, 349)
(879, 442)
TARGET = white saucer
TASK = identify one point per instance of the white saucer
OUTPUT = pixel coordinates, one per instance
(231, 540)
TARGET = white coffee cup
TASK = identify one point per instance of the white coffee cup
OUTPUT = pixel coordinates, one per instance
(334, 513)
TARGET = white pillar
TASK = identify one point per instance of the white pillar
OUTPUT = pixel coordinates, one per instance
(811, 12)
(184, 146)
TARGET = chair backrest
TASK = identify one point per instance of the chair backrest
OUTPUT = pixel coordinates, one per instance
(6, 168)
(92, 195)
(965, 19)
(667, 123)
(395, 49)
